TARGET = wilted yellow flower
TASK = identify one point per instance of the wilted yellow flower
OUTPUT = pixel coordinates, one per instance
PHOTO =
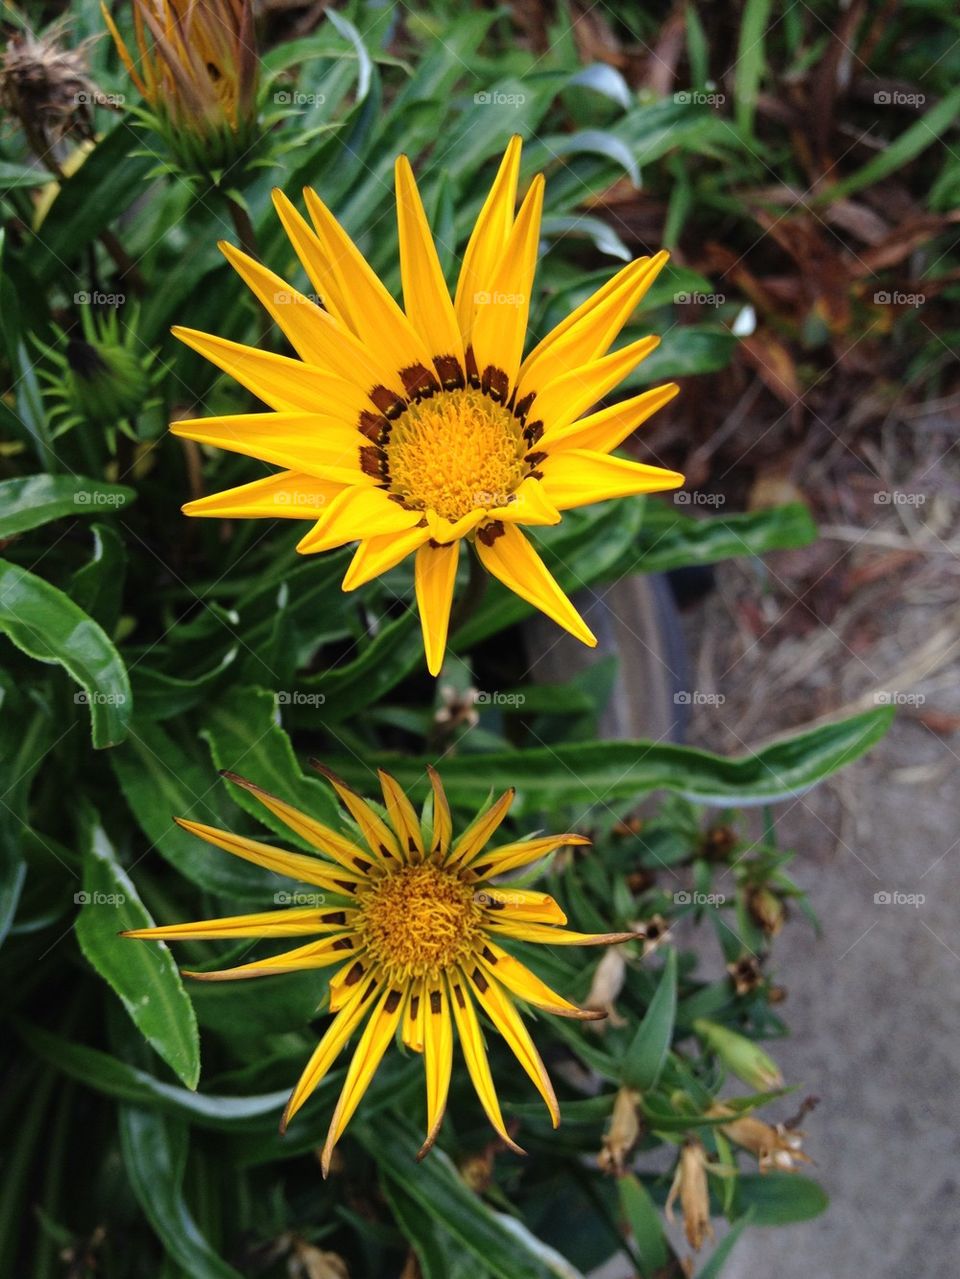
(418, 942)
(411, 430)
(775, 1147)
(196, 68)
(690, 1183)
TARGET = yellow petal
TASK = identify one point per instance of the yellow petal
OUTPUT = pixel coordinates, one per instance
(481, 829)
(576, 477)
(426, 298)
(437, 1057)
(288, 495)
(374, 1041)
(442, 821)
(501, 1011)
(412, 1030)
(500, 321)
(512, 560)
(496, 861)
(604, 431)
(475, 1055)
(312, 257)
(282, 383)
(588, 331)
(572, 393)
(307, 442)
(444, 531)
(525, 904)
(342, 986)
(297, 866)
(530, 505)
(343, 851)
(526, 985)
(371, 309)
(376, 555)
(317, 954)
(549, 936)
(489, 237)
(329, 1047)
(357, 512)
(403, 819)
(434, 578)
(303, 921)
(375, 830)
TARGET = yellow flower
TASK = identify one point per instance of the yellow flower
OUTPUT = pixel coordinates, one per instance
(417, 940)
(196, 68)
(410, 430)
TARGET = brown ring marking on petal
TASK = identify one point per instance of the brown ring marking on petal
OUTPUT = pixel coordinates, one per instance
(473, 373)
(490, 532)
(495, 384)
(534, 459)
(388, 402)
(450, 371)
(414, 1006)
(391, 1003)
(459, 995)
(412, 846)
(334, 917)
(354, 975)
(343, 943)
(488, 955)
(480, 981)
(385, 851)
(418, 382)
(373, 462)
(348, 886)
(522, 407)
(436, 1002)
(374, 426)
(533, 433)
(368, 992)
(478, 872)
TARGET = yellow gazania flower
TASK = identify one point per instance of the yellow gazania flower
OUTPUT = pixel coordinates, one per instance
(411, 430)
(418, 940)
(196, 68)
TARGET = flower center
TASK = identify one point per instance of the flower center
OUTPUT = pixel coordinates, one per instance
(454, 453)
(418, 921)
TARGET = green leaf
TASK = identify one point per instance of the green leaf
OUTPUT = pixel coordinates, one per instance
(21, 175)
(645, 1222)
(32, 500)
(778, 1198)
(142, 973)
(155, 1156)
(669, 539)
(48, 626)
(578, 772)
(723, 1250)
(750, 61)
(647, 1053)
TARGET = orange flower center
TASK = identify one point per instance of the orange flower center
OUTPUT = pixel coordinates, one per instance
(418, 921)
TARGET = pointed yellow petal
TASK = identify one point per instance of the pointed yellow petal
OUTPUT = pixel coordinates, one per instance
(373, 1044)
(317, 954)
(587, 332)
(370, 308)
(312, 257)
(308, 870)
(555, 936)
(496, 861)
(342, 986)
(444, 531)
(475, 1055)
(488, 238)
(576, 477)
(301, 922)
(412, 1030)
(525, 904)
(572, 393)
(329, 842)
(512, 560)
(425, 295)
(307, 442)
(526, 985)
(357, 512)
(500, 321)
(530, 505)
(442, 821)
(501, 1011)
(481, 830)
(282, 383)
(434, 577)
(375, 830)
(329, 1047)
(289, 495)
(604, 431)
(437, 1058)
(377, 555)
(403, 818)
(123, 51)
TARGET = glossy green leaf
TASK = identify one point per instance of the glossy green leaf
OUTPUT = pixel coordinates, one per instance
(644, 1059)
(645, 1222)
(669, 539)
(43, 622)
(32, 500)
(141, 973)
(778, 1198)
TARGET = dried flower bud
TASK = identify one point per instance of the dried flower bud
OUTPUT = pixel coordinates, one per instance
(607, 983)
(654, 931)
(746, 974)
(622, 1133)
(690, 1183)
(767, 910)
(48, 89)
(717, 843)
(774, 1147)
